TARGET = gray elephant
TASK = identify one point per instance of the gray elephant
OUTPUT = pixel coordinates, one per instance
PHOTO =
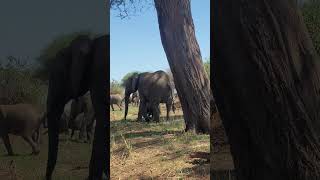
(80, 67)
(21, 120)
(69, 116)
(64, 120)
(149, 113)
(115, 99)
(79, 123)
(86, 125)
(135, 99)
(154, 88)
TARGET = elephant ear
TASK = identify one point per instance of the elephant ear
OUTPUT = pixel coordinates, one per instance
(80, 61)
(135, 83)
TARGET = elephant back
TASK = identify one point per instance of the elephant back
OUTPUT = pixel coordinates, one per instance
(155, 86)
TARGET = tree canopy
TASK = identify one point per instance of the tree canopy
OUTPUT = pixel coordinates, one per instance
(115, 87)
(125, 77)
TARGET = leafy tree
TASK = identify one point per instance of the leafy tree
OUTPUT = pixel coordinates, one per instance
(125, 77)
(116, 88)
(17, 84)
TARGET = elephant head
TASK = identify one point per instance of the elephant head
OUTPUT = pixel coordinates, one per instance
(78, 68)
(131, 86)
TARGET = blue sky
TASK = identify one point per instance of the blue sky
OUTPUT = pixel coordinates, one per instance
(136, 44)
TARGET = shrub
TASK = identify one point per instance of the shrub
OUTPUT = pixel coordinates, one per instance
(18, 86)
(116, 88)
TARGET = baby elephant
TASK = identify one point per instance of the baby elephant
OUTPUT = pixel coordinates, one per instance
(115, 99)
(83, 124)
(22, 120)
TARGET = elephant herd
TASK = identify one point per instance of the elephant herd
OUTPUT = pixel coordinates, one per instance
(78, 115)
(25, 120)
(76, 99)
(153, 88)
(147, 90)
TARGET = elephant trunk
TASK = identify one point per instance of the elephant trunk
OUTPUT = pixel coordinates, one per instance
(126, 101)
(53, 132)
(53, 115)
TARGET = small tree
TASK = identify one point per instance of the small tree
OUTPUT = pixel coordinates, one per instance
(116, 88)
(17, 84)
(125, 77)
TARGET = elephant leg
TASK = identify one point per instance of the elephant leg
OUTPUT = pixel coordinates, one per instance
(89, 133)
(6, 141)
(35, 148)
(72, 133)
(54, 114)
(168, 107)
(83, 128)
(119, 107)
(156, 112)
(112, 107)
(83, 131)
(99, 162)
(39, 138)
(34, 136)
(142, 111)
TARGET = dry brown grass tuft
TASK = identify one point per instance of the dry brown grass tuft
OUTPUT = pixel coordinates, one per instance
(156, 150)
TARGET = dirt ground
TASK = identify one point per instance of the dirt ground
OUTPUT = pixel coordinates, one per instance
(156, 150)
(72, 164)
(222, 167)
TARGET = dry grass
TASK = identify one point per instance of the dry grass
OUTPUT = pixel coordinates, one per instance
(73, 160)
(156, 150)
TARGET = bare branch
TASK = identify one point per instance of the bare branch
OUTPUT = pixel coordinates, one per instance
(128, 8)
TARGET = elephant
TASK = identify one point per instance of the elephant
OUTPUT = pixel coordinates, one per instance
(23, 120)
(85, 122)
(80, 67)
(70, 120)
(154, 88)
(135, 99)
(115, 99)
(149, 113)
(79, 123)
(64, 120)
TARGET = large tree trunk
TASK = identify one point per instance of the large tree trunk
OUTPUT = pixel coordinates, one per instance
(266, 86)
(183, 54)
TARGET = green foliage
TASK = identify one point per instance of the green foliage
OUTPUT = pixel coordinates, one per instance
(125, 78)
(206, 65)
(116, 88)
(311, 15)
(49, 52)
(17, 85)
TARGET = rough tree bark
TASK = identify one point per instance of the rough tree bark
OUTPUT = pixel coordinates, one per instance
(183, 54)
(266, 86)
